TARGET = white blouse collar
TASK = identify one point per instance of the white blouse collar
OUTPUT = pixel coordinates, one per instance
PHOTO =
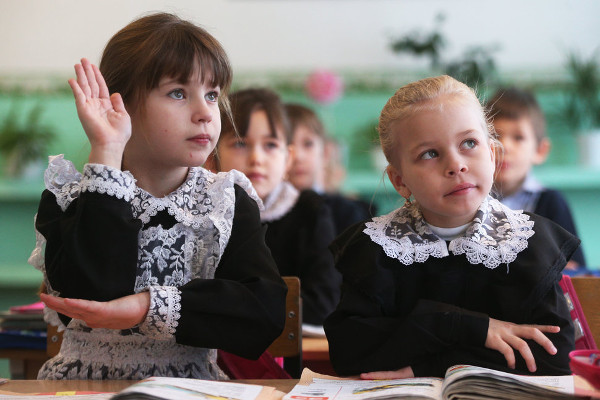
(279, 202)
(495, 236)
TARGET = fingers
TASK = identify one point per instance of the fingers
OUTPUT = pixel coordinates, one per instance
(117, 103)
(522, 347)
(82, 80)
(101, 83)
(91, 77)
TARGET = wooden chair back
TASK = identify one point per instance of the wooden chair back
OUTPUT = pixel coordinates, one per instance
(53, 340)
(588, 293)
(289, 344)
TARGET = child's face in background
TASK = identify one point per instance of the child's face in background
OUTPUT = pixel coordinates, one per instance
(264, 159)
(179, 126)
(521, 153)
(445, 160)
(308, 169)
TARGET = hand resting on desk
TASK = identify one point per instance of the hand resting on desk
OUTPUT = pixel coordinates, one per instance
(122, 313)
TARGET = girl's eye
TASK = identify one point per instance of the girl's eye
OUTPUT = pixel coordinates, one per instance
(176, 94)
(212, 96)
(308, 144)
(469, 144)
(429, 154)
(272, 145)
(238, 144)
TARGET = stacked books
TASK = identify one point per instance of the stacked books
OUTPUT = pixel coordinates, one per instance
(23, 327)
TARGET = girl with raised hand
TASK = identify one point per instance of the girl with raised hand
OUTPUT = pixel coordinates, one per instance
(151, 261)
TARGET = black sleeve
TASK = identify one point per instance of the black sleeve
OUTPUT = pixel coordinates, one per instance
(241, 310)
(369, 331)
(554, 206)
(320, 282)
(91, 247)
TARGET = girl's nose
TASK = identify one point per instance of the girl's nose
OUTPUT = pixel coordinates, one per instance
(255, 156)
(456, 165)
(202, 112)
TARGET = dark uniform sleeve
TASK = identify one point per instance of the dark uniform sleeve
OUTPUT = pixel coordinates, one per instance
(554, 206)
(241, 310)
(320, 282)
(91, 247)
(369, 331)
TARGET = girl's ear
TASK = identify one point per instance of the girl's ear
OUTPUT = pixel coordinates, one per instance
(542, 151)
(396, 179)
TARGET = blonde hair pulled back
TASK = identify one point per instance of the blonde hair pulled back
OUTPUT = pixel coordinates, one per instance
(422, 95)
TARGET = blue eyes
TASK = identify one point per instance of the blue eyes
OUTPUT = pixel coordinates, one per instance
(429, 154)
(465, 145)
(178, 94)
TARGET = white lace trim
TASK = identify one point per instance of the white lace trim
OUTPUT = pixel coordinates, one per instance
(496, 235)
(113, 354)
(279, 202)
(163, 314)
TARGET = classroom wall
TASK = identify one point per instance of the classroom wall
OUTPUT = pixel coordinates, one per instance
(49, 36)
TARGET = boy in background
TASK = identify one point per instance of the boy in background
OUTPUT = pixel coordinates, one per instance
(521, 127)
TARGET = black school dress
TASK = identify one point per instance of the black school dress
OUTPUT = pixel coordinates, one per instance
(300, 230)
(199, 251)
(411, 299)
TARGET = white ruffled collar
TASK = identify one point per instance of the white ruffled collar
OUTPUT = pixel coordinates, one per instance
(496, 235)
(279, 202)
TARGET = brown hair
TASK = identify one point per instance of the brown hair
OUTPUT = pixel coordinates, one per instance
(158, 45)
(513, 103)
(300, 115)
(418, 96)
(245, 102)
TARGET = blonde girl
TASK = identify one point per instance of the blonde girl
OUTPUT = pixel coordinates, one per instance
(453, 276)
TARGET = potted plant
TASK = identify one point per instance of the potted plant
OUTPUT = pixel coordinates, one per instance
(582, 111)
(22, 145)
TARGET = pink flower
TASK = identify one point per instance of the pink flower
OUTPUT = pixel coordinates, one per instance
(324, 86)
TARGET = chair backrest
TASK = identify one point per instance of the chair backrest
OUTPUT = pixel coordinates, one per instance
(289, 344)
(53, 340)
(588, 293)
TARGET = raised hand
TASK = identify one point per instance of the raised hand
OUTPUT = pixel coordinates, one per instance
(103, 117)
(506, 337)
(122, 313)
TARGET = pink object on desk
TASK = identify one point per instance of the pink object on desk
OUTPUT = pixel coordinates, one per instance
(586, 363)
(35, 308)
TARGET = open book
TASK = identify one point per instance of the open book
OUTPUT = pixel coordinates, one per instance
(461, 382)
(163, 388)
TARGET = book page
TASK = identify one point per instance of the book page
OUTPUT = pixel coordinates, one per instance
(182, 388)
(469, 382)
(332, 389)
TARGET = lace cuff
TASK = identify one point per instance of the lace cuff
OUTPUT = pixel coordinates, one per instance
(163, 313)
(104, 179)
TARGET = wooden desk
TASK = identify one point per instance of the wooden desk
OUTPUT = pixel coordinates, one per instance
(315, 355)
(24, 363)
(35, 386)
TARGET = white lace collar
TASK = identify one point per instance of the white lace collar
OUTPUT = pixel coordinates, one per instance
(496, 235)
(279, 202)
(202, 193)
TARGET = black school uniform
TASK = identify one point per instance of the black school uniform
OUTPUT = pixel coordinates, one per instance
(411, 299)
(199, 251)
(300, 229)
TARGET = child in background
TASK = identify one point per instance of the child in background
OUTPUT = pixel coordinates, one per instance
(300, 227)
(521, 127)
(157, 261)
(310, 164)
(453, 276)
